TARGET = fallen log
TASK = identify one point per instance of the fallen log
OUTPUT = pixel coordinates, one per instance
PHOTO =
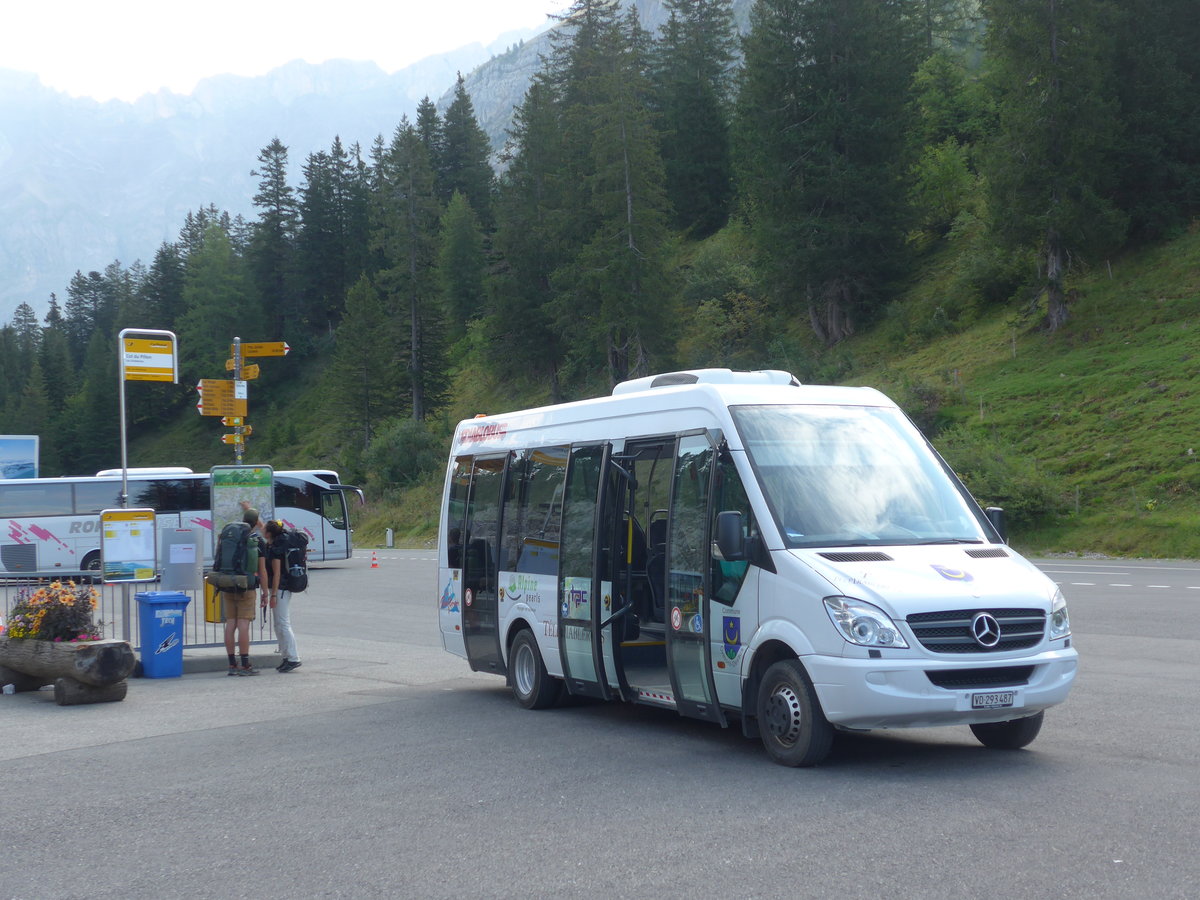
(69, 692)
(20, 681)
(97, 663)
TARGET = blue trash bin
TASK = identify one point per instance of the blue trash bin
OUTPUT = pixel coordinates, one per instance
(160, 627)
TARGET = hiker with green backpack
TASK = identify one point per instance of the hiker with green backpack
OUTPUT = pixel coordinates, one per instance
(240, 571)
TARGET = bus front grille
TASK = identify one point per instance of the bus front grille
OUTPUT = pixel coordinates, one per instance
(951, 631)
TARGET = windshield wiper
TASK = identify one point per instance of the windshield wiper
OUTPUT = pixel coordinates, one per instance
(949, 540)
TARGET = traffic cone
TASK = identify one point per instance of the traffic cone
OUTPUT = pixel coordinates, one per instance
(374, 560)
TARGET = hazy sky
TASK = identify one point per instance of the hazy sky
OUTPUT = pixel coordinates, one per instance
(125, 48)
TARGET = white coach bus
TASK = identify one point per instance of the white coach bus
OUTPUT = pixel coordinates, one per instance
(737, 546)
(51, 526)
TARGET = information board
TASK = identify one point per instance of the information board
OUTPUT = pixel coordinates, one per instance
(127, 548)
(181, 551)
(234, 485)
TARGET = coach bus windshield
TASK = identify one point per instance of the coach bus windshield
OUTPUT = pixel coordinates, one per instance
(838, 476)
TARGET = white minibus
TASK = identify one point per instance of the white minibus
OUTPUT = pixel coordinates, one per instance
(737, 546)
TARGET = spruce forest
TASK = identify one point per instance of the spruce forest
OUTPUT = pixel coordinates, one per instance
(847, 183)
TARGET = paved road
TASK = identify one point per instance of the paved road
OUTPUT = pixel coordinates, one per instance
(384, 768)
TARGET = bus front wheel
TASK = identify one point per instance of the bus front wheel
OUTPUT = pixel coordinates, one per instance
(1011, 735)
(532, 685)
(794, 730)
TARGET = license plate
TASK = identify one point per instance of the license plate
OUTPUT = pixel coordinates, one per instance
(993, 700)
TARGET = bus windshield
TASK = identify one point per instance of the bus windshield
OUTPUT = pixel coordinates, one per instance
(839, 476)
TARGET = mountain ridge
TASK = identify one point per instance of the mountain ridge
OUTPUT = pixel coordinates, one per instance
(84, 182)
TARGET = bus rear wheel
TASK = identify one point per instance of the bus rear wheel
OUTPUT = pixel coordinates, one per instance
(794, 730)
(91, 566)
(1011, 735)
(532, 685)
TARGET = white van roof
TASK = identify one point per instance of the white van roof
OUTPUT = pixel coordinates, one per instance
(706, 376)
(660, 404)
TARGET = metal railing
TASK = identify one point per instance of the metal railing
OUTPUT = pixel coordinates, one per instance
(117, 613)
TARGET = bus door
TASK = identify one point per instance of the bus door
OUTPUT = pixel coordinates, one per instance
(617, 614)
(480, 543)
(335, 530)
(689, 650)
(581, 585)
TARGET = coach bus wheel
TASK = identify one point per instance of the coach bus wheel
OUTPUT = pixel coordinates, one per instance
(793, 728)
(91, 563)
(531, 684)
(1011, 735)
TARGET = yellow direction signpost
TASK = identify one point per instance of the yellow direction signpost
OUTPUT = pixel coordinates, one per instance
(249, 373)
(219, 397)
(262, 348)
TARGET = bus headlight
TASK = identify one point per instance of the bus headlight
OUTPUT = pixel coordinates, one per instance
(1060, 622)
(863, 624)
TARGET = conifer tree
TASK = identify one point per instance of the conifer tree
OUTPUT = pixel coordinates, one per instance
(162, 290)
(822, 113)
(1050, 166)
(461, 264)
(363, 378)
(463, 163)
(618, 278)
(220, 303)
(273, 236)
(530, 243)
(692, 84)
(404, 233)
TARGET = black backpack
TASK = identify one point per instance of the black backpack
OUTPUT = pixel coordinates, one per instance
(294, 573)
(229, 564)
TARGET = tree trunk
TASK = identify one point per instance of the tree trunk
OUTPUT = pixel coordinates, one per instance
(97, 663)
(69, 692)
(1056, 299)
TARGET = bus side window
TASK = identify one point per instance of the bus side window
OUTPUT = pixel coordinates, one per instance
(94, 496)
(456, 508)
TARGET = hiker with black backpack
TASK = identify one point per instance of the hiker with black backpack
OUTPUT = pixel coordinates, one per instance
(287, 574)
(240, 564)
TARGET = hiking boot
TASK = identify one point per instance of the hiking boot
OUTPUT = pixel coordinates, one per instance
(247, 670)
(290, 666)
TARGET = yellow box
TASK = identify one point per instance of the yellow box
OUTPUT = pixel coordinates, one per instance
(214, 610)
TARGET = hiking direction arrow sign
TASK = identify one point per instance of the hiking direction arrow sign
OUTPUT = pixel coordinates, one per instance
(262, 348)
(219, 397)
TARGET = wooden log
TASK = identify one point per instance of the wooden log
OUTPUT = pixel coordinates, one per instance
(97, 663)
(69, 692)
(21, 681)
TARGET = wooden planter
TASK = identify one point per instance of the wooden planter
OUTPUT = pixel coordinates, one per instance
(81, 672)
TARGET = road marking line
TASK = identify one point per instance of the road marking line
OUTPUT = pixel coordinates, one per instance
(1120, 585)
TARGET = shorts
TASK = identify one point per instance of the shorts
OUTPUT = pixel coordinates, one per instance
(240, 604)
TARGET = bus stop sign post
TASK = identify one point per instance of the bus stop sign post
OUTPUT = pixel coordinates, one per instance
(146, 354)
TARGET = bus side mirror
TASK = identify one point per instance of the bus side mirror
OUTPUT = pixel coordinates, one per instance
(995, 515)
(731, 540)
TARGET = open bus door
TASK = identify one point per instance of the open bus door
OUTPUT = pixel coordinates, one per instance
(583, 586)
(480, 542)
(689, 549)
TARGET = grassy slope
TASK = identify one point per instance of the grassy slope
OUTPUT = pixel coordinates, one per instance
(1108, 407)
